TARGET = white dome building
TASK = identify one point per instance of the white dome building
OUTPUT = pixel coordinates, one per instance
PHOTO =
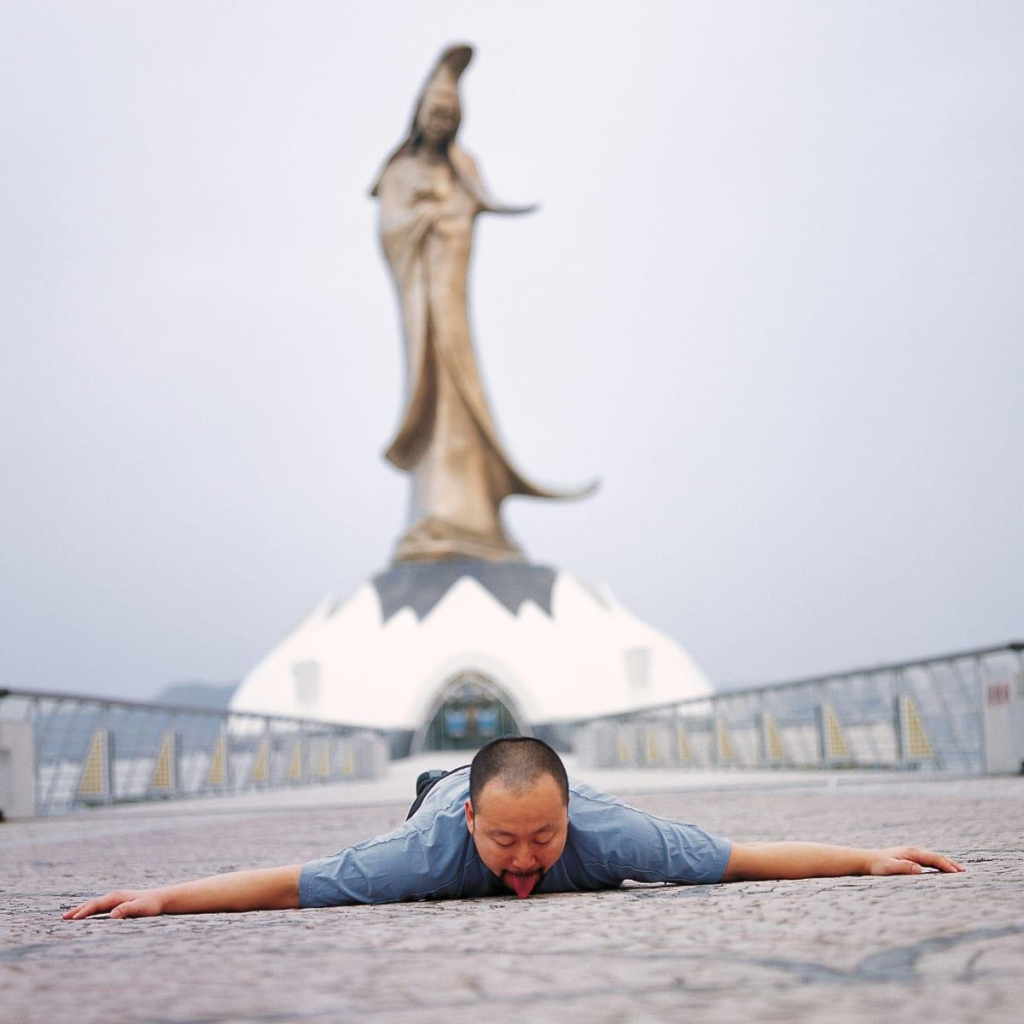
(448, 654)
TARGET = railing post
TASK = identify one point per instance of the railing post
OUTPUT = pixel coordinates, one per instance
(33, 717)
(17, 770)
(762, 745)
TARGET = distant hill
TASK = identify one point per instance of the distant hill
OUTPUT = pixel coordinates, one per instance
(197, 695)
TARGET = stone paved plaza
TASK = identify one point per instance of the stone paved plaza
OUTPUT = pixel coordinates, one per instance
(910, 948)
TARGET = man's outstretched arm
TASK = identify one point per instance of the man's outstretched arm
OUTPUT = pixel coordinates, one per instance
(264, 889)
(764, 861)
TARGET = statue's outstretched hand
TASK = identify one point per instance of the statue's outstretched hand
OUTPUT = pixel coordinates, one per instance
(494, 207)
(908, 860)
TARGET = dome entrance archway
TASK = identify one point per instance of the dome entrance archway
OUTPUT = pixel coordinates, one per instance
(470, 710)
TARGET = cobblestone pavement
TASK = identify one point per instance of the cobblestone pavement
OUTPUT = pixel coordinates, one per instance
(913, 948)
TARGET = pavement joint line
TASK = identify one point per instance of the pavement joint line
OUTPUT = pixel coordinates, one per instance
(896, 964)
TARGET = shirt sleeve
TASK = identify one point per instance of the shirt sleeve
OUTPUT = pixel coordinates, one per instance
(616, 842)
(412, 862)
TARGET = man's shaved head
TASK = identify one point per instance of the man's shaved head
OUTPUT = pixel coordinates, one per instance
(518, 761)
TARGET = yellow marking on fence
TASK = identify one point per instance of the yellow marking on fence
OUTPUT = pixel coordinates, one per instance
(217, 773)
(94, 777)
(833, 737)
(625, 753)
(773, 745)
(652, 747)
(261, 763)
(295, 764)
(163, 770)
(724, 743)
(683, 742)
(913, 736)
(323, 764)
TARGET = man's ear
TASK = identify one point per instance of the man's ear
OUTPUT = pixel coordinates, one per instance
(469, 816)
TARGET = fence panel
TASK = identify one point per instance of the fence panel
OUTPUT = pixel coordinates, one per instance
(958, 712)
(87, 751)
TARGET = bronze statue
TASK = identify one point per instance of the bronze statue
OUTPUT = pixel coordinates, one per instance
(430, 193)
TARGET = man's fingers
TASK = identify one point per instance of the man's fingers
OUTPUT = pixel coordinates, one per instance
(901, 866)
(934, 860)
(911, 860)
(98, 905)
(133, 908)
(90, 907)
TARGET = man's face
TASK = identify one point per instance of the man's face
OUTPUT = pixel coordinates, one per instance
(519, 834)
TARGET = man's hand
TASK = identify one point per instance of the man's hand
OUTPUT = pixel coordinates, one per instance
(263, 889)
(908, 860)
(768, 861)
(122, 903)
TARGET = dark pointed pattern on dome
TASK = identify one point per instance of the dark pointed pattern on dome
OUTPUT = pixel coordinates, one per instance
(421, 585)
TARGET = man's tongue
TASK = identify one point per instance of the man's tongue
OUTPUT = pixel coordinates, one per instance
(523, 884)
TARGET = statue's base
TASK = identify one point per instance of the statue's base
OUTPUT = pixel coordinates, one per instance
(423, 639)
(434, 540)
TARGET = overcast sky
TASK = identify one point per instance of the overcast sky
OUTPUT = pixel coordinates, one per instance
(772, 298)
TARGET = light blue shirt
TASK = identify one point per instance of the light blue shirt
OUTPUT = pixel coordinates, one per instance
(432, 855)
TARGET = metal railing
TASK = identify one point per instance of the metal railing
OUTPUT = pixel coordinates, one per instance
(88, 751)
(932, 713)
(959, 712)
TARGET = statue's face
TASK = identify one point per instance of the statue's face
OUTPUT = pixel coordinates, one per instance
(439, 116)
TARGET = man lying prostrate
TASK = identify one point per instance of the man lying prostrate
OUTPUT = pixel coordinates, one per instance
(511, 822)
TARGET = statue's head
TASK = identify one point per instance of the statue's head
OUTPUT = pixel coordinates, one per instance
(438, 115)
(438, 111)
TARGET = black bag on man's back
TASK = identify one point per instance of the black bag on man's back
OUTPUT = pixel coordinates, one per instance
(425, 783)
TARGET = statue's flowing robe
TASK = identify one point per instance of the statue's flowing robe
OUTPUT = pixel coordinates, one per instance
(447, 438)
